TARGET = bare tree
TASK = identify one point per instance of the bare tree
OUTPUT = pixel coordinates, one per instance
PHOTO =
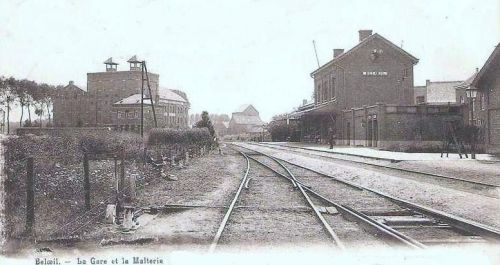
(7, 97)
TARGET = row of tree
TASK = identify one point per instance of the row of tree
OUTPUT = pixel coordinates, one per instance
(26, 94)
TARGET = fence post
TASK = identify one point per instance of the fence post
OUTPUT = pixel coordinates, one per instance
(30, 196)
(86, 181)
(122, 171)
(131, 188)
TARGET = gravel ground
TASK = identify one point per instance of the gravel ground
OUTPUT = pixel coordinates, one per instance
(475, 207)
(207, 181)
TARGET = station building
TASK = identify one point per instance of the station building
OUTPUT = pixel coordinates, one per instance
(365, 97)
(373, 71)
(487, 84)
(112, 99)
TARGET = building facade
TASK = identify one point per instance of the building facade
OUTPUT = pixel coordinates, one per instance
(487, 82)
(113, 98)
(400, 127)
(72, 107)
(441, 92)
(171, 111)
(111, 86)
(373, 71)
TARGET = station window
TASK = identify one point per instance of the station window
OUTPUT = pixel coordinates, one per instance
(318, 94)
(332, 87)
(325, 91)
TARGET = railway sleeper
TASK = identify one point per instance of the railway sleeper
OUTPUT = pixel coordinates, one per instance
(384, 212)
(454, 240)
(404, 220)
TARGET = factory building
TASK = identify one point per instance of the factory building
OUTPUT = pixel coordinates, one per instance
(113, 99)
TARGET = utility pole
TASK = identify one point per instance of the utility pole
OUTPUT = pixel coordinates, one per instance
(144, 73)
(316, 53)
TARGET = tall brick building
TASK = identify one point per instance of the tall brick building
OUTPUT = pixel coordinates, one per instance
(373, 71)
(111, 92)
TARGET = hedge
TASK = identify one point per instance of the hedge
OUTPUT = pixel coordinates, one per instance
(179, 138)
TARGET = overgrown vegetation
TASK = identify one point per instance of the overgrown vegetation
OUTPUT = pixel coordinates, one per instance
(205, 122)
(180, 139)
(280, 131)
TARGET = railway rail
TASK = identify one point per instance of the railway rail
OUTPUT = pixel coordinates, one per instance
(396, 220)
(477, 187)
(244, 184)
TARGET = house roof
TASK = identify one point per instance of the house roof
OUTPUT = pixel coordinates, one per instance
(361, 44)
(243, 107)
(467, 83)
(131, 100)
(72, 86)
(166, 96)
(441, 91)
(246, 119)
(486, 66)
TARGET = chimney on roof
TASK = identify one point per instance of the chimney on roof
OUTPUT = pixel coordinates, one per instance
(337, 52)
(71, 83)
(364, 33)
(477, 70)
(135, 64)
(110, 65)
(304, 102)
(427, 82)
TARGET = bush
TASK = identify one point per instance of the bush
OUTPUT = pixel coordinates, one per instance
(188, 138)
(101, 142)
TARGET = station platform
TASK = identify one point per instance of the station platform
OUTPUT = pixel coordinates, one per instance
(373, 153)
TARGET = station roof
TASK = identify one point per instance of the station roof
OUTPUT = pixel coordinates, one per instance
(494, 58)
(361, 44)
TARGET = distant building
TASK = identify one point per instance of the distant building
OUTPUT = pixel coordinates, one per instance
(219, 121)
(441, 92)
(113, 100)
(420, 94)
(72, 107)
(245, 120)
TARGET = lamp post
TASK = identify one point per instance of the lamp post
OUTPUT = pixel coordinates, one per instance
(471, 93)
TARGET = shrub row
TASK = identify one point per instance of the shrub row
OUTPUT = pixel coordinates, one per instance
(185, 138)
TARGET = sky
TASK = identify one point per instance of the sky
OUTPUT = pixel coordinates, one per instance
(225, 53)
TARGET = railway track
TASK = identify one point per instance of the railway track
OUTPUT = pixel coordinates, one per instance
(298, 210)
(476, 187)
(395, 220)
